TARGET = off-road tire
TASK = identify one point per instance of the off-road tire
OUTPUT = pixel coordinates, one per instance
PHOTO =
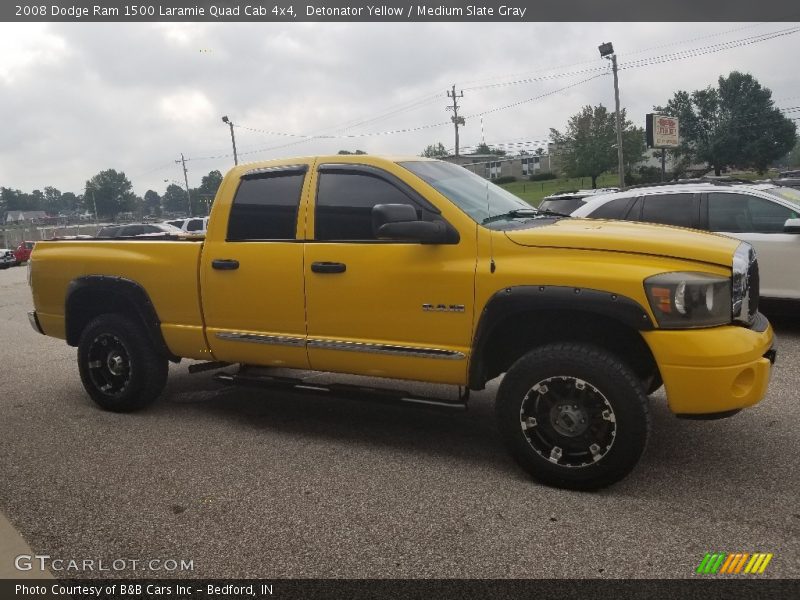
(120, 368)
(609, 403)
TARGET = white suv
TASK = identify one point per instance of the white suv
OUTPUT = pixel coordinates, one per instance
(765, 215)
(190, 225)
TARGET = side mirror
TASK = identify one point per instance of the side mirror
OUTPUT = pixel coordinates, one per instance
(791, 226)
(400, 222)
(391, 213)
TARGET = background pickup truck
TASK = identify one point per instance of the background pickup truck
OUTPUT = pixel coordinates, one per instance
(418, 269)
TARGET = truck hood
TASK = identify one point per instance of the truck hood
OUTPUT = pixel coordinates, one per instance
(624, 236)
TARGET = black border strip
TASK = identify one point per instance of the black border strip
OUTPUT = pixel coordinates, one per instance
(405, 11)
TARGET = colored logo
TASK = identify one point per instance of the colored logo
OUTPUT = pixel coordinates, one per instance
(724, 563)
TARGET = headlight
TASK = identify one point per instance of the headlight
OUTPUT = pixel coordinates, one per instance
(680, 300)
(745, 283)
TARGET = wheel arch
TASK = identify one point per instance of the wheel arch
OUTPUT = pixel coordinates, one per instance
(93, 295)
(518, 319)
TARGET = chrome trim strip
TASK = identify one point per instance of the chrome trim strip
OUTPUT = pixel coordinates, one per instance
(34, 321)
(386, 349)
(255, 338)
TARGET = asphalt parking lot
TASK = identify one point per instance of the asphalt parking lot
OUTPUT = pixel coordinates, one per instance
(251, 484)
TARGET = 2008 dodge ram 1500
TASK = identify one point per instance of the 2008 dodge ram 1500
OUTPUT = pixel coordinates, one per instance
(418, 269)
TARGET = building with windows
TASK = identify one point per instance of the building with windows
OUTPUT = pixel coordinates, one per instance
(492, 166)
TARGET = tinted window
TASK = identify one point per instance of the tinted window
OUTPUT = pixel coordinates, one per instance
(670, 209)
(195, 225)
(265, 207)
(615, 209)
(738, 213)
(562, 205)
(130, 230)
(108, 232)
(345, 201)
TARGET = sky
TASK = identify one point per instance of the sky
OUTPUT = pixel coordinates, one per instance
(78, 98)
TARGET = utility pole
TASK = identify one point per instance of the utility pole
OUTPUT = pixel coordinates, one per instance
(186, 181)
(607, 51)
(225, 119)
(455, 118)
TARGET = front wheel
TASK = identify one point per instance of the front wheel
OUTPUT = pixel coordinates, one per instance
(120, 368)
(573, 415)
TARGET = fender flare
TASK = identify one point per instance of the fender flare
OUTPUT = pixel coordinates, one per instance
(525, 298)
(132, 292)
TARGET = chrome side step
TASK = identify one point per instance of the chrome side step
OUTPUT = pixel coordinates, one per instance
(341, 390)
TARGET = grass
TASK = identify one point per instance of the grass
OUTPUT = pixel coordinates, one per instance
(533, 191)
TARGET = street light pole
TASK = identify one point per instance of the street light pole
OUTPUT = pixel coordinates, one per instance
(607, 51)
(225, 119)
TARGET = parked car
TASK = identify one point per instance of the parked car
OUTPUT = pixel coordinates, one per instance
(23, 252)
(568, 201)
(793, 182)
(7, 258)
(190, 225)
(763, 214)
(136, 230)
(789, 174)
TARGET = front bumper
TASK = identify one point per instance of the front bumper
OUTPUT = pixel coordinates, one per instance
(714, 370)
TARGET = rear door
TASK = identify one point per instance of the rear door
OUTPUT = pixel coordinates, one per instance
(760, 222)
(252, 270)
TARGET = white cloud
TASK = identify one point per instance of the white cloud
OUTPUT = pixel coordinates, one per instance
(92, 96)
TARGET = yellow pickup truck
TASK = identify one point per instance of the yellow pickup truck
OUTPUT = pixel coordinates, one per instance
(417, 269)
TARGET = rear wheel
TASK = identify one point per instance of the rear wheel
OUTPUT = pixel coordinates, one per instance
(573, 415)
(120, 368)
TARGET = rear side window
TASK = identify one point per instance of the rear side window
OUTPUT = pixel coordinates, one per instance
(614, 209)
(562, 205)
(739, 213)
(670, 209)
(345, 201)
(195, 225)
(265, 206)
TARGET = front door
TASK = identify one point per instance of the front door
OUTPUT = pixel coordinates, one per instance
(384, 308)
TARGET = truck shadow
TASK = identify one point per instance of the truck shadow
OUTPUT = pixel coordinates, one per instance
(682, 456)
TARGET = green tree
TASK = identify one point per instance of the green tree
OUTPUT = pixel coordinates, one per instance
(110, 192)
(69, 202)
(174, 199)
(735, 124)
(435, 151)
(152, 202)
(14, 199)
(793, 160)
(483, 148)
(588, 146)
(52, 200)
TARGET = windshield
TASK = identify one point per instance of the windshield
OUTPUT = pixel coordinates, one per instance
(786, 193)
(479, 198)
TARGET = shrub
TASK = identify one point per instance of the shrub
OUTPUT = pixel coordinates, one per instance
(543, 176)
(504, 179)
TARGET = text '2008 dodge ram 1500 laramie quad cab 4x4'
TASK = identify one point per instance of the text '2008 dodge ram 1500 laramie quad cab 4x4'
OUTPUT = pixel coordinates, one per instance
(418, 269)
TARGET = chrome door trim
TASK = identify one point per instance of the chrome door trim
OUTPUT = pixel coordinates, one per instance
(256, 338)
(410, 351)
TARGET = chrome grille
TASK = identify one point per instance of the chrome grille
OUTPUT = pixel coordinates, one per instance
(753, 287)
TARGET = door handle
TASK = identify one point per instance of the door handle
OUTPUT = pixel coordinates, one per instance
(328, 267)
(225, 264)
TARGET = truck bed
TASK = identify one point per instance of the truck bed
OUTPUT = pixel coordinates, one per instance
(148, 262)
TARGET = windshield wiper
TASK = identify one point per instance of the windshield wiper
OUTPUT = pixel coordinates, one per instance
(522, 212)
